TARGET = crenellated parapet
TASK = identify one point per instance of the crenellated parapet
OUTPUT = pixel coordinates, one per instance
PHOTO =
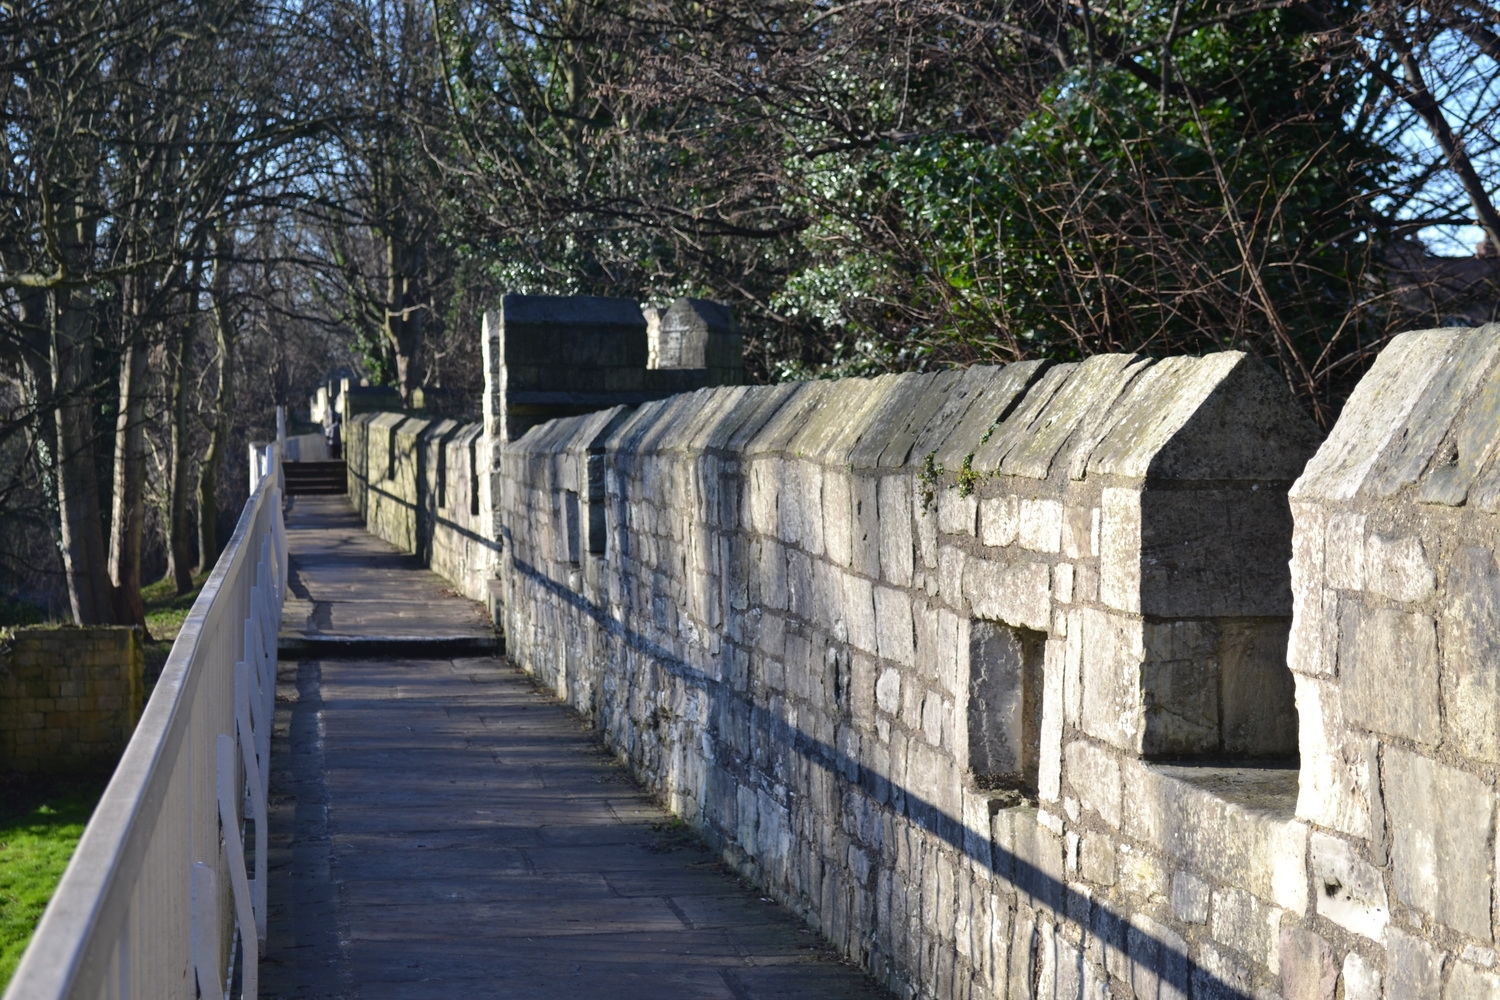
(1394, 652)
(984, 671)
(1042, 680)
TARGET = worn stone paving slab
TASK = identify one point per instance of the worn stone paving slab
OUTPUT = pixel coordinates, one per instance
(441, 830)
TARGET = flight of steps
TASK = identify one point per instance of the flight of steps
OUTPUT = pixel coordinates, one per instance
(312, 478)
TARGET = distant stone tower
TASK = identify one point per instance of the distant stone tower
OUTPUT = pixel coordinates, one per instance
(550, 356)
(697, 333)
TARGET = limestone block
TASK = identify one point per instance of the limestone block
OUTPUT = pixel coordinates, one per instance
(1361, 978)
(925, 534)
(1180, 686)
(1313, 645)
(1158, 960)
(1398, 568)
(828, 591)
(1471, 440)
(1017, 593)
(1442, 828)
(937, 718)
(1073, 671)
(996, 392)
(1219, 975)
(865, 529)
(1094, 775)
(932, 777)
(1049, 766)
(1377, 413)
(1388, 665)
(1004, 704)
(1335, 775)
(957, 515)
(1212, 552)
(1120, 549)
(1466, 982)
(1352, 890)
(1037, 854)
(800, 594)
(912, 696)
(950, 574)
(1258, 716)
(765, 478)
(999, 519)
(795, 497)
(1430, 424)
(1096, 861)
(1190, 898)
(1249, 842)
(1040, 528)
(1470, 631)
(1078, 532)
(1308, 971)
(1247, 925)
(896, 544)
(1112, 652)
(859, 613)
(1141, 876)
(952, 636)
(768, 586)
(1414, 968)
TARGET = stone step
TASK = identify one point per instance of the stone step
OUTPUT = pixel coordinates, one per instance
(315, 478)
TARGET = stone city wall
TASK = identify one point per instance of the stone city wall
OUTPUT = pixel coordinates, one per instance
(416, 482)
(69, 697)
(901, 648)
(1394, 655)
(986, 672)
(426, 484)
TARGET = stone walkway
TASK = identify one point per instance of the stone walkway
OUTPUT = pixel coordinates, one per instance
(439, 830)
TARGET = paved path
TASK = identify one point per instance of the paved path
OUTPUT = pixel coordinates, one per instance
(439, 830)
(347, 585)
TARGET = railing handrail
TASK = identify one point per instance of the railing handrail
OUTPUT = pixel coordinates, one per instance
(91, 939)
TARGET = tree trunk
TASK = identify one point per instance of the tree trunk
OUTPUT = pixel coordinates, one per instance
(405, 313)
(35, 340)
(179, 530)
(218, 433)
(128, 509)
(89, 592)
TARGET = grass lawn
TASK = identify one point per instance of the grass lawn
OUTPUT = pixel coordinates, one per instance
(166, 610)
(41, 820)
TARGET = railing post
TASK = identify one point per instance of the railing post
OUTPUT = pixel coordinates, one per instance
(234, 847)
(249, 717)
(208, 953)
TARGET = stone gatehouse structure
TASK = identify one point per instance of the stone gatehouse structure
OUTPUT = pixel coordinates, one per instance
(1051, 680)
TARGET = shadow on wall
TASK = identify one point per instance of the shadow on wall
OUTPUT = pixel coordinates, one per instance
(778, 624)
(1155, 962)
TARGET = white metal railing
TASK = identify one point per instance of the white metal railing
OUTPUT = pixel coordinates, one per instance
(159, 897)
